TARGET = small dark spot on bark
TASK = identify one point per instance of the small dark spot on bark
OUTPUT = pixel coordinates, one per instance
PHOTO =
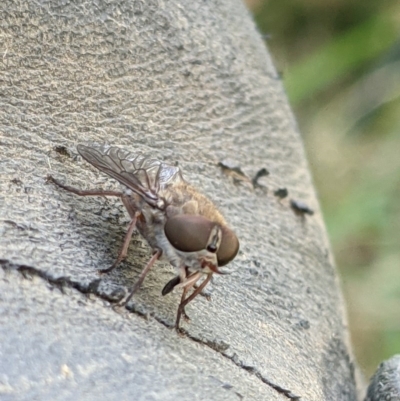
(250, 369)
(253, 271)
(303, 324)
(231, 166)
(300, 207)
(281, 193)
(233, 170)
(62, 150)
(28, 190)
(218, 345)
(16, 181)
(260, 173)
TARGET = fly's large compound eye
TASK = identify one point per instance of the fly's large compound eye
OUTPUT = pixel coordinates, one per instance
(229, 247)
(188, 233)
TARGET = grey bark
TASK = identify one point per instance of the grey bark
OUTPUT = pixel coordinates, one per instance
(187, 81)
(385, 384)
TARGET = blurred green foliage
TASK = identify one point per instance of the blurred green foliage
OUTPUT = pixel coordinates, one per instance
(340, 61)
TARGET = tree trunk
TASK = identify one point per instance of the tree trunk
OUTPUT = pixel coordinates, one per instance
(183, 81)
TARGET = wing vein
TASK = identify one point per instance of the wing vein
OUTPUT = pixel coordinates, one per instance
(143, 175)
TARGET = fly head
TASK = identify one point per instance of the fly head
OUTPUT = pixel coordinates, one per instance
(194, 233)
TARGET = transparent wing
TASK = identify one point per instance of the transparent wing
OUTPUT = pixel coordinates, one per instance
(141, 174)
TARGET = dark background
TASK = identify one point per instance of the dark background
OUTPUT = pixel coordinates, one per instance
(340, 63)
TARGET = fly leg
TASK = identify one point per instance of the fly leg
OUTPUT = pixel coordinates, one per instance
(206, 293)
(183, 311)
(189, 283)
(156, 255)
(86, 192)
(185, 301)
(123, 252)
(134, 215)
(124, 249)
(184, 280)
(186, 285)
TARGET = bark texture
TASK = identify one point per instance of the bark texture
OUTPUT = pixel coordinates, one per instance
(385, 384)
(187, 81)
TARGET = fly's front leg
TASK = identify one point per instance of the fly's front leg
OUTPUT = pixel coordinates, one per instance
(181, 310)
(187, 283)
(206, 292)
(184, 301)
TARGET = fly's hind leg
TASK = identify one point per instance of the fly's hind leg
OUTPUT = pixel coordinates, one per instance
(85, 192)
(100, 192)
